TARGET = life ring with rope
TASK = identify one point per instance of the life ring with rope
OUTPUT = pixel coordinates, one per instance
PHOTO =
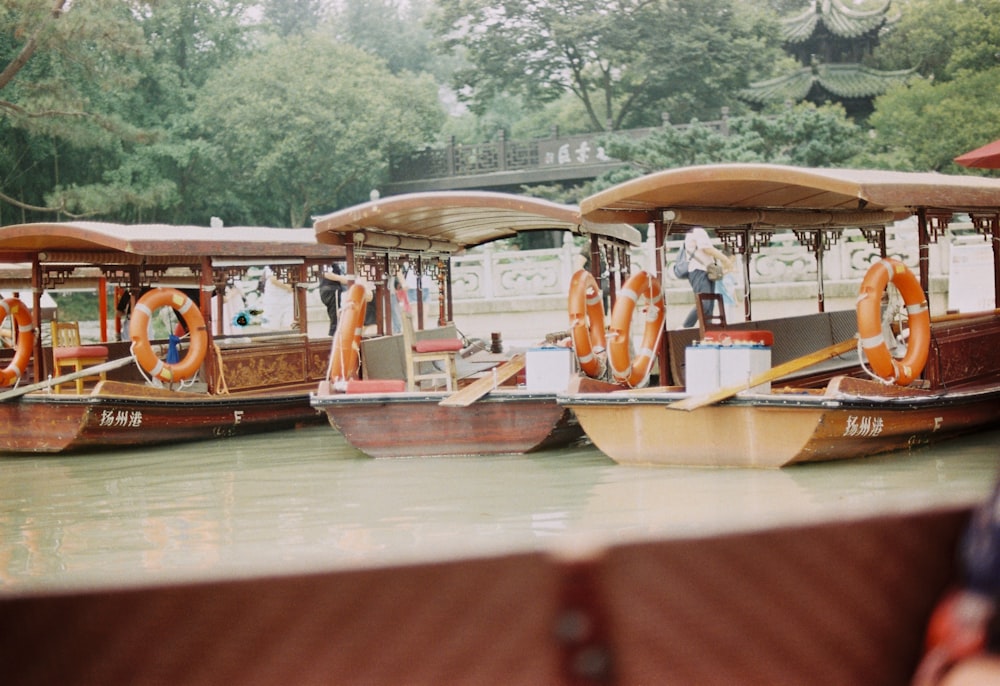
(586, 321)
(869, 311)
(142, 350)
(345, 353)
(625, 368)
(24, 347)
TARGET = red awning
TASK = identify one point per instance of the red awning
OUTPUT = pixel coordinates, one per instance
(986, 157)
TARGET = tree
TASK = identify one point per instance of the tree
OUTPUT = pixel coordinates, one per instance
(926, 125)
(392, 30)
(306, 126)
(946, 38)
(66, 71)
(625, 60)
(805, 135)
(292, 17)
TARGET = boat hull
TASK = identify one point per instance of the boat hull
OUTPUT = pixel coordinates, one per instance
(774, 431)
(415, 425)
(64, 423)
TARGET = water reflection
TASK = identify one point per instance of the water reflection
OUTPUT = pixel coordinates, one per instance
(305, 500)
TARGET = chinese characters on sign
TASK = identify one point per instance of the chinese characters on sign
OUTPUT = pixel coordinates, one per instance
(121, 418)
(579, 151)
(863, 426)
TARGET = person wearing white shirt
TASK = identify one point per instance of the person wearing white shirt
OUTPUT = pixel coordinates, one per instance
(701, 253)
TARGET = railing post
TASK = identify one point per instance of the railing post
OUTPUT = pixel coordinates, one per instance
(502, 150)
(489, 255)
(451, 157)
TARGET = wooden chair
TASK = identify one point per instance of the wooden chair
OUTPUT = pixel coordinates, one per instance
(429, 351)
(68, 353)
(705, 320)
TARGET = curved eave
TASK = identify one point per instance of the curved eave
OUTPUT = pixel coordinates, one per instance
(448, 221)
(839, 18)
(729, 187)
(163, 240)
(842, 80)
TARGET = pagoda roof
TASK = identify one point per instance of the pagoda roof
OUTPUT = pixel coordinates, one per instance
(842, 80)
(838, 17)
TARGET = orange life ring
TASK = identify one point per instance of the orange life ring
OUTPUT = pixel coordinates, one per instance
(624, 369)
(143, 351)
(869, 309)
(586, 321)
(346, 350)
(25, 345)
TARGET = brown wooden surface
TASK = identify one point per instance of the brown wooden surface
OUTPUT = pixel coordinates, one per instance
(804, 428)
(497, 425)
(827, 604)
(136, 416)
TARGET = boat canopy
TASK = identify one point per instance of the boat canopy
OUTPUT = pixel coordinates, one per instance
(105, 243)
(774, 196)
(446, 222)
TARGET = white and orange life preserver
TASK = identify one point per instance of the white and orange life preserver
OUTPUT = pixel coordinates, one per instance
(624, 368)
(869, 310)
(142, 350)
(586, 321)
(24, 346)
(345, 353)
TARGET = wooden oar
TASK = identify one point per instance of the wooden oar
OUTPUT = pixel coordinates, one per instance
(72, 376)
(480, 387)
(771, 374)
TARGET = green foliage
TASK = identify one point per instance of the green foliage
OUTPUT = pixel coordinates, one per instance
(804, 135)
(946, 38)
(925, 125)
(305, 126)
(626, 61)
(392, 30)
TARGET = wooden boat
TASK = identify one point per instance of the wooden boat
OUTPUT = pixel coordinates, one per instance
(249, 381)
(386, 413)
(840, 412)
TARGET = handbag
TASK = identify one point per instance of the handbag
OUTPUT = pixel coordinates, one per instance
(714, 271)
(681, 265)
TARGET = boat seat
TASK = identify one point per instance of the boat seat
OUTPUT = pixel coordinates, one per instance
(431, 351)
(716, 320)
(69, 353)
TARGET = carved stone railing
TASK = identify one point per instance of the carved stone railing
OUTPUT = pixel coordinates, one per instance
(491, 273)
(503, 155)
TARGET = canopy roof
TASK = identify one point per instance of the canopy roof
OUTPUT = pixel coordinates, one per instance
(776, 196)
(450, 221)
(186, 243)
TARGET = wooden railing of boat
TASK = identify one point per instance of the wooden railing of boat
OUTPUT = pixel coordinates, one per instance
(964, 350)
(239, 363)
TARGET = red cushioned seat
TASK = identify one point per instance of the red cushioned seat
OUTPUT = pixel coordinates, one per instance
(86, 351)
(376, 386)
(438, 345)
(730, 336)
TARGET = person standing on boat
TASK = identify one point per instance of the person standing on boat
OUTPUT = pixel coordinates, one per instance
(278, 305)
(701, 253)
(331, 287)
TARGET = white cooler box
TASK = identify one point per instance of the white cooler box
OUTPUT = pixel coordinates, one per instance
(725, 359)
(548, 370)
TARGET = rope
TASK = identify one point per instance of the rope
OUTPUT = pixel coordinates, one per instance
(221, 387)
